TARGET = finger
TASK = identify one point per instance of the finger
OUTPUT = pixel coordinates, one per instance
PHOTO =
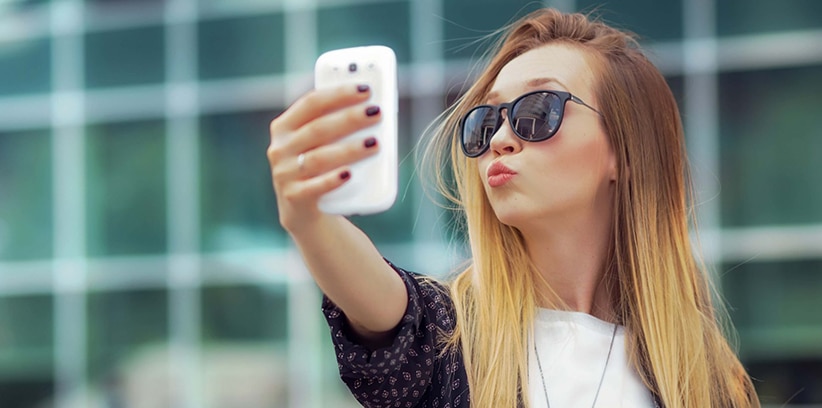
(336, 155)
(311, 189)
(317, 103)
(332, 127)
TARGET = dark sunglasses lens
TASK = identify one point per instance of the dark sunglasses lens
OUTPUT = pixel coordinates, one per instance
(479, 126)
(537, 116)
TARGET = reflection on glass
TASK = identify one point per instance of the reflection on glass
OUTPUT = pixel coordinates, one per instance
(127, 57)
(677, 85)
(775, 307)
(26, 350)
(244, 313)
(652, 20)
(126, 184)
(770, 147)
(25, 391)
(140, 2)
(128, 357)
(237, 201)
(26, 4)
(225, 5)
(737, 17)
(244, 331)
(25, 66)
(25, 195)
(244, 46)
(468, 22)
(374, 23)
(775, 295)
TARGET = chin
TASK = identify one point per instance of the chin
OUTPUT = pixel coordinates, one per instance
(513, 218)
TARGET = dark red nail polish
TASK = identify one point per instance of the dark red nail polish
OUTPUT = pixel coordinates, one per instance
(372, 110)
(370, 142)
(345, 175)
(362, 88)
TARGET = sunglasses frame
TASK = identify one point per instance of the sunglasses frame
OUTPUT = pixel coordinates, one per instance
(563, 96)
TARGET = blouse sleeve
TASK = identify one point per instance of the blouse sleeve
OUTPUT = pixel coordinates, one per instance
(398, 375)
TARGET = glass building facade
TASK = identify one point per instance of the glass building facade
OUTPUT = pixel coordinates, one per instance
(141, 259)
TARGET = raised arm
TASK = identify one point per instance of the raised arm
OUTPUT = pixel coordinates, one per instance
(342, 259)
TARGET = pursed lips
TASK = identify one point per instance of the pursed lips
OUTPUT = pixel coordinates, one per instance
(498, 174)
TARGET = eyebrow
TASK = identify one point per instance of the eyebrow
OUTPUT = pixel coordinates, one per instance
(532, 83)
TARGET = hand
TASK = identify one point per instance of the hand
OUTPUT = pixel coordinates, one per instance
(305, 163)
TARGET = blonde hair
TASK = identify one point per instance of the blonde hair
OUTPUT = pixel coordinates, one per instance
(660, 292)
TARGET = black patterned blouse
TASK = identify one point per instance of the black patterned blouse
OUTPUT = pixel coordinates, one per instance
(410, 373)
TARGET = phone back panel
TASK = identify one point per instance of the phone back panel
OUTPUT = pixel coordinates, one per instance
(373, 184)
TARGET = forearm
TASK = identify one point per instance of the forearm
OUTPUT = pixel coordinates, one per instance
(351, 272)
(308, 159)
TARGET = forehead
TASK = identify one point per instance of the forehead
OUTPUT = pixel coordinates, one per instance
(554, 66)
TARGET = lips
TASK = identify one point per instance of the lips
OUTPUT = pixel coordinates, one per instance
(499, 174)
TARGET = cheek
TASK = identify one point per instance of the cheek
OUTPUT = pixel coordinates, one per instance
(581, 159)
(481, 163)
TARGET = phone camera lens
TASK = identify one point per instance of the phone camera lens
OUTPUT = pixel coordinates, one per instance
(352, 67)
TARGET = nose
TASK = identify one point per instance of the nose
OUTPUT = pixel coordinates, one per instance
(504, 141)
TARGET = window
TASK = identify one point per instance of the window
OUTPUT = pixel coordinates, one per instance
(737, 17)
(133, 56)
(651, 20)
(26, 228)
(25, 66)
(774, 306)
(467, 24)
(241, 46)
(244, 329)
(367, 24)
(26, 350)
(770, 146)
(244, 314)
(126, 202)
(127, 342)
(238, 207)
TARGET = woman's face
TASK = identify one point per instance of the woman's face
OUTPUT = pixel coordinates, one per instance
(564, 178)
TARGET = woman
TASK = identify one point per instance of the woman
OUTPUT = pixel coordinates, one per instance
(569, 165)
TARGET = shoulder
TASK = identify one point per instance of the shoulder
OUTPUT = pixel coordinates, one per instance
(425, 286)
(430, 296)
(425, 283)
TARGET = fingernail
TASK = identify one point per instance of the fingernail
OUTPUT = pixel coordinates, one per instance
(370, 142)
(345, 175)
(362, 88)
(372, 110)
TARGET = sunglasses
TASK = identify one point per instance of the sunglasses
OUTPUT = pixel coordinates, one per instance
(534, 117)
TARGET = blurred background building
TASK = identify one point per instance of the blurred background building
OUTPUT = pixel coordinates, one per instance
(141, 261)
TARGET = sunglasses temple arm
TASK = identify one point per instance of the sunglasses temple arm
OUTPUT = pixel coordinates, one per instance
(581, 102)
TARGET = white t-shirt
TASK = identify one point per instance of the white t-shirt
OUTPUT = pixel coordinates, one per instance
(573, 348)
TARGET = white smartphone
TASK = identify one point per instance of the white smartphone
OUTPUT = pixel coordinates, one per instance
(373, 184)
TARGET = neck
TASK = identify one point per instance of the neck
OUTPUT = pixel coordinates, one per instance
(570, 258)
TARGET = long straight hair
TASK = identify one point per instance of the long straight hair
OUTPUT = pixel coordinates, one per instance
(660, 292)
